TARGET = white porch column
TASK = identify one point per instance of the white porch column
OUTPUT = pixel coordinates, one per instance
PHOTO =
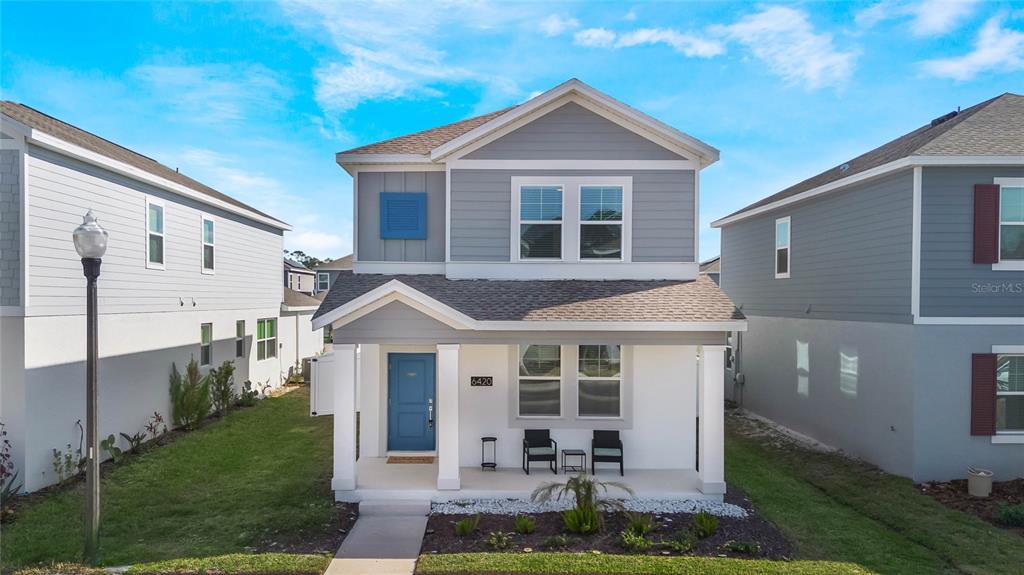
(447, 416)
(712, 419)
(344, 417)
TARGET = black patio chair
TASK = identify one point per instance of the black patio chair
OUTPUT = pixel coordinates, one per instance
(605, 447)
(538, 446)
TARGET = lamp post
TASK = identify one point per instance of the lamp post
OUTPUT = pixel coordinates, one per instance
(91, 244)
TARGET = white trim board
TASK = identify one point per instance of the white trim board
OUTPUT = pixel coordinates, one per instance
(590, 165)
(436, 268)
(582, 270)
(969, 320)
(915, 246)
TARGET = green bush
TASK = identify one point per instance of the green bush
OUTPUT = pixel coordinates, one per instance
(467, 526)
(190, 396)
(1012, 515)
(743, 547)
(581, 520)
(639, 524)
(222, 387)
(110, 446)
(705, 524)
(498, 540)
(556, 542)
(634, 542)
(682, 542)
(525, 524)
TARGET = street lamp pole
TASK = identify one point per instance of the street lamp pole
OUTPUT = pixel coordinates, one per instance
(91, 243)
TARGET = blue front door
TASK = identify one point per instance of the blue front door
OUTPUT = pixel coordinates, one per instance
(411, 406)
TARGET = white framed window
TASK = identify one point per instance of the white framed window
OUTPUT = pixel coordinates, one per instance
(540, 381)
(205, 344)
(783, 256)
(208, 244)
(1011, 222)
(154, 234)
(540, 222)
(240, 338)
(1010, 393)
(601, 215)
(323, 281)
(599, 382)
(266, 338)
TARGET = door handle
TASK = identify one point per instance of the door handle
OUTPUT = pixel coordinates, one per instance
(430, 413)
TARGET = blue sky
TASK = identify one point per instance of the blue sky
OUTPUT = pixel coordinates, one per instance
(254, 99)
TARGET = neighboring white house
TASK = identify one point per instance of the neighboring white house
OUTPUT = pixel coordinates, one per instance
(189, 273)
(531, 268)
(298, 277)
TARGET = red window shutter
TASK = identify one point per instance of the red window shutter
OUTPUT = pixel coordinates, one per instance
(986, 224)
(983, 394)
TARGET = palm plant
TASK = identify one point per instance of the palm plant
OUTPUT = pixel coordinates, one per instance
(586, 492)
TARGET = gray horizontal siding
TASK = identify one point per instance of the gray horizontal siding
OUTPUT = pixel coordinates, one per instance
(397, 323)
(952, 284)
(571, 132)
(371, 248)
(663, 216)
(10, 228)
(850, 253)
(60, 190)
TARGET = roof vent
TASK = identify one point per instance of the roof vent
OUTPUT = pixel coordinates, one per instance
(945, 118)
(844, 168)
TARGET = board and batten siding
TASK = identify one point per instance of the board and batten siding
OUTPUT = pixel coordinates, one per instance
(370, 247)
(850, 256)
(663, 212)
(952, 285)
(10, 228)
(571, 132)
(61, 190)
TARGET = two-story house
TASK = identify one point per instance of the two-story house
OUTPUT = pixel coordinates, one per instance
(885, 299)
(533, 268)
(298, 277)
(189, 273)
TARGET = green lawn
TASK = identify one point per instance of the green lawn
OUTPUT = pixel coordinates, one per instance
(590, 564)
(841, 510)
(261, 473)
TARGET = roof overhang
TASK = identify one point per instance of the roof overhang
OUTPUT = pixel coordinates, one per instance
(395, 290)
(299, 308)
(876, 172)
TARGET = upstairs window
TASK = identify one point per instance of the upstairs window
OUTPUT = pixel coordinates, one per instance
(205, 344)
(600, 381)
(540, 381)
(323, 281)
(540, 222)
(1010, 393)
(1011, 223)
(208, 245)
(240, 338)
(782, 252)
(600, 222)
(154, 234)
(266, 338)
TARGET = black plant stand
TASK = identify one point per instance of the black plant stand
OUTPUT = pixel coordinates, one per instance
(493, 463)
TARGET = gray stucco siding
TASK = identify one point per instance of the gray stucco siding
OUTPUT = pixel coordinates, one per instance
(662, 222)
(850, 256)
(10, 227)
(952, 285)
(371, 248)
(571, 132)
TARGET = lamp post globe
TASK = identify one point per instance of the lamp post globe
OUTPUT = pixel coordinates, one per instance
(90, 238)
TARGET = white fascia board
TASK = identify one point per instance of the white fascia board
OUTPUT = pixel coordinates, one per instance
(55, 144)
(590, 98)
(574, 165)
(967, 160)
(404, 293)
(343, 158)
(658, 326)
(299, 308)
(969, 320)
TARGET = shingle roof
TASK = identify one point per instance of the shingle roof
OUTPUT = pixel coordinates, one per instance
(992, 128)
(73, 135)
(342, 263)
(423, 142)
(295, 265)
(292, 298)
(711, 266)
(698, 300)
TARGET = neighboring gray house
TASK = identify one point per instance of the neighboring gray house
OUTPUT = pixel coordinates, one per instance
(329, 271)
(298, 277)
(885, 299)
(531, 268)
(712, 268)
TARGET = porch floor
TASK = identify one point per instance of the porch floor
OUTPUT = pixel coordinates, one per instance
(376, 479)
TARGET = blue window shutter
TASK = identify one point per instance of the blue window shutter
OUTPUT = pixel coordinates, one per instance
(403, 216)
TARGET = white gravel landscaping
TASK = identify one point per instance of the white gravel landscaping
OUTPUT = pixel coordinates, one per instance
(520, 506)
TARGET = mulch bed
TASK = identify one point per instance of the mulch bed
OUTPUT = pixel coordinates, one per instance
(315, 541)
(441, 537)
(954, 494)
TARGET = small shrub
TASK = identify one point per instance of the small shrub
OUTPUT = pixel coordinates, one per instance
(156, 426)
(9, 486)
(190, 396)
(134, 441)
(634, 542)
(743, 547)
(525, 524)
(467, 526)
(110, 446)
(705, 524)
(498, 540)
(556, 542)
(1012, 515)
(582, 520)
(682, 542)
(639, 524)
(249, 395)
(222, 387)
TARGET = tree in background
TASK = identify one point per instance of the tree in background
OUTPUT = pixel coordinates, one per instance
(301, 257)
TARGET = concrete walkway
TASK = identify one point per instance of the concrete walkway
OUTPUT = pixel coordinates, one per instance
(385, 540)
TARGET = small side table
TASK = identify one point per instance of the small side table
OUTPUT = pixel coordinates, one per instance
(582, 455)
(493, 463)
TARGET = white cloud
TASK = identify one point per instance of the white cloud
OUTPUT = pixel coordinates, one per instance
(555, 25)
(631, 15)
(594, 38)
(927, 17)
(313, 242)
(784, 39)
(213, 93)
(996, 48)
(686, 44)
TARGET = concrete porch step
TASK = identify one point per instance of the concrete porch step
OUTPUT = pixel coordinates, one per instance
(394, 507)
